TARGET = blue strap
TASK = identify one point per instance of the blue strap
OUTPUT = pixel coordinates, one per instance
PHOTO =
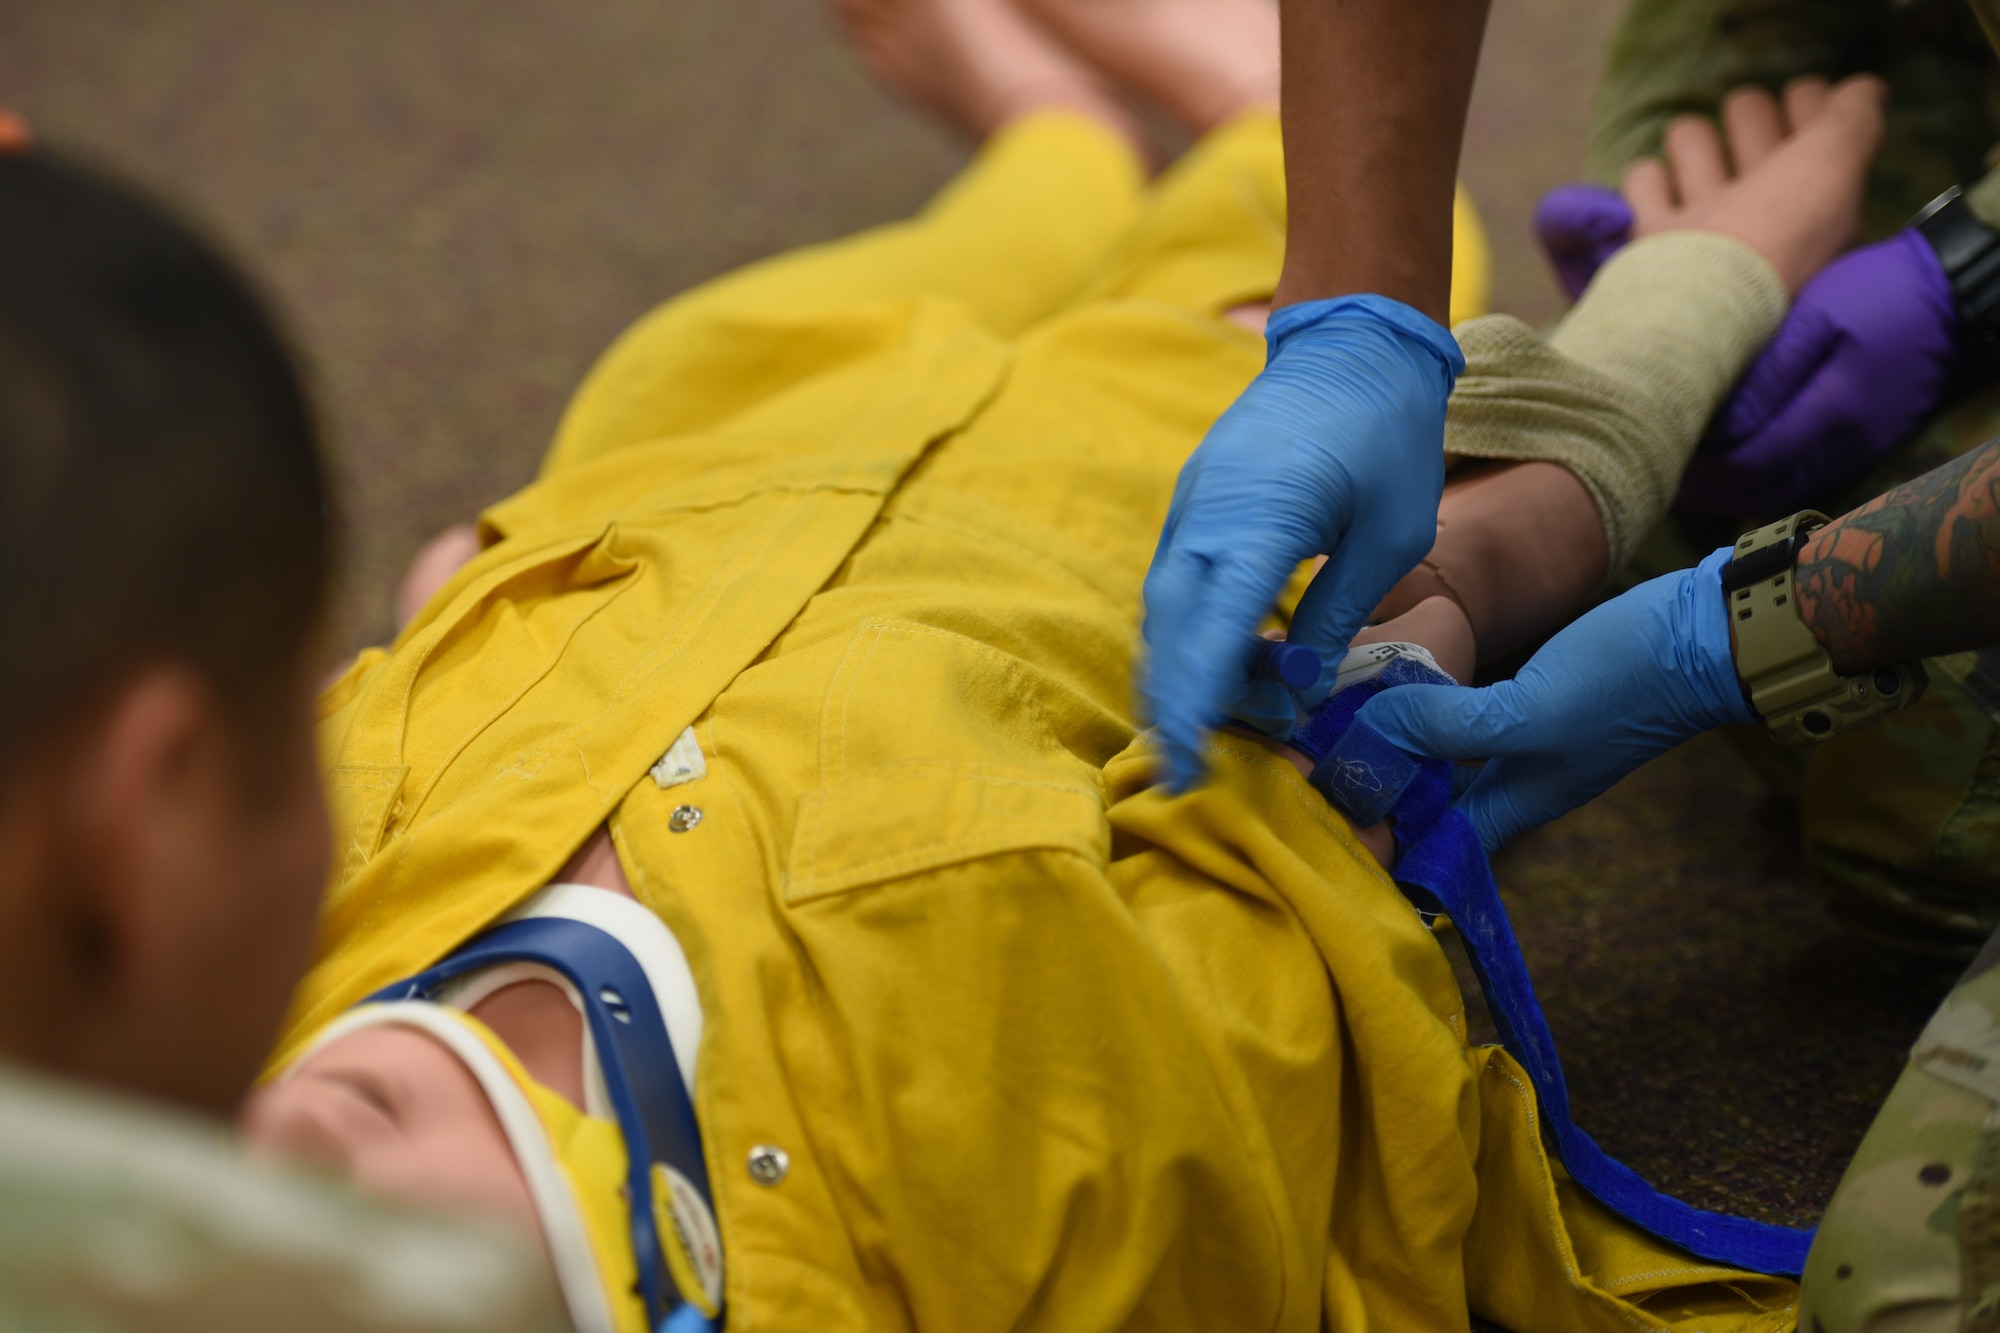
(634, 1051)
(687, 1319)
(1443, 869)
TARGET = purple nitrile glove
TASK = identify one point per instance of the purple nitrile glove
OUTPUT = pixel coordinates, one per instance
(1866, 354)
(1581, 226)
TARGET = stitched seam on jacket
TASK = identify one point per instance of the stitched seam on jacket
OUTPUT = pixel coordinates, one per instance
(1552, 1211)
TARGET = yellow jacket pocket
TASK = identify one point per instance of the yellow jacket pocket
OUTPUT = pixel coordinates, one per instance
(925, 814)
(938, 748)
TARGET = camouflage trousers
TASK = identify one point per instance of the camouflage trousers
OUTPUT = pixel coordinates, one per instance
(1911, 1240)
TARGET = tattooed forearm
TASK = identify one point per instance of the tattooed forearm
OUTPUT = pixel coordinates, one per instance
(1913, 573)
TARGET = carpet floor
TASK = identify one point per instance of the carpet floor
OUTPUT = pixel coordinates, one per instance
(458, 204)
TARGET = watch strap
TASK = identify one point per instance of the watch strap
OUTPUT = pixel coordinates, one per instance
(1969, 252)
(1790, 678)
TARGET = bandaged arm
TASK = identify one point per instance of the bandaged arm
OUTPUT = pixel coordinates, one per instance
(1622, 389)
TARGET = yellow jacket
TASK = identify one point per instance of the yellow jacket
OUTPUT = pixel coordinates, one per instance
(1046, 1048)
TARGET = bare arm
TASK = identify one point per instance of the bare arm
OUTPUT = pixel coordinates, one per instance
(1913, 573)
(1374, 102)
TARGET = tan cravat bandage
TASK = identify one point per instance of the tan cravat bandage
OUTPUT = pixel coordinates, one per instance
(1620, 392)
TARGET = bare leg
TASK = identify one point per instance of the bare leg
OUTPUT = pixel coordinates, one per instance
(976, 63)
(1203, 61)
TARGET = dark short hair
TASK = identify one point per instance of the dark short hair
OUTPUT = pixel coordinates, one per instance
(162, 495)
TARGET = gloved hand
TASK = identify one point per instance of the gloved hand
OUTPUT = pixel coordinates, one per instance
(1868, 351)
(1337, 448)
(1631, 679)
(1581, 226)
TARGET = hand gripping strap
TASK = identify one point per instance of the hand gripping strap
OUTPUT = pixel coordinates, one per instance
(633, 1049)
(1443, 869)
(1358, 770)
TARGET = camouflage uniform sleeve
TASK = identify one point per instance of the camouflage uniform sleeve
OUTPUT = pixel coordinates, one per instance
(1673, 57)
(120, 1216)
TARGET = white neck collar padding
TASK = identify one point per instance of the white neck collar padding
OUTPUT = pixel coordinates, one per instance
(569, 1246)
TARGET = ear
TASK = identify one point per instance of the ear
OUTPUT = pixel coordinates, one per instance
(142, 792)
(155, 905)
(79, 821)
(101, 822)
(179, 903)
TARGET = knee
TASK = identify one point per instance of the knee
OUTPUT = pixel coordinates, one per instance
(1912, 1238)
(1879, 1264)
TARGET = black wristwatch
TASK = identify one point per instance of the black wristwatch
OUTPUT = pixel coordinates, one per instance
(1970, 253)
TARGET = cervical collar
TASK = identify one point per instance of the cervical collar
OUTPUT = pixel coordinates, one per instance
(624, 1267)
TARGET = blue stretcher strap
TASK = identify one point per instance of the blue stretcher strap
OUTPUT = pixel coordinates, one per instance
(635, 1053)
(1443, 869)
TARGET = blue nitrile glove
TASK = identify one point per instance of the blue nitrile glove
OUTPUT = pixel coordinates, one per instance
(1631, 679)
(1337, 448)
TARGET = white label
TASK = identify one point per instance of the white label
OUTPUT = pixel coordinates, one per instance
(681, 763)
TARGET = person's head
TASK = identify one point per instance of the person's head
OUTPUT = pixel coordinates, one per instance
(166, 546)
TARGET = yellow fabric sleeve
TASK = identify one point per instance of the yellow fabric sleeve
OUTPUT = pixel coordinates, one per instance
(1621, 391)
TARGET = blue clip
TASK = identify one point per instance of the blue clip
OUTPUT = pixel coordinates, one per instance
(1293, 665)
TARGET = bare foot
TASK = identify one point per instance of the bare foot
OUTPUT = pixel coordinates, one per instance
(1203, 61)
(977, 63)
(1789, 183)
